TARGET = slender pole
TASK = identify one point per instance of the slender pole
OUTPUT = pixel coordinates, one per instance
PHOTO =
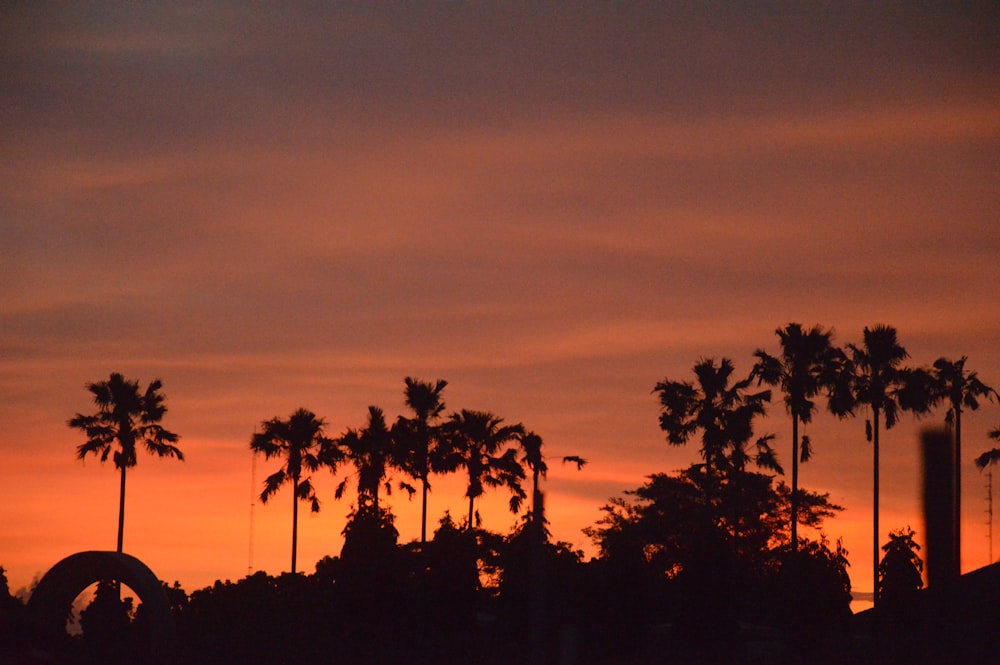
(958, 487)
(989, 510)
(875, 548)
(423, 510)
(795, 482)
(295, 520)
(537, 567)
(253, 503)
(121, 512)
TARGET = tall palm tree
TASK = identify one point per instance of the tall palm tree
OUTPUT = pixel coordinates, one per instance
(479, 439)
(373, 452)
(532, 457)
(960, 390)
(806, 367)
(420, 436)
(723, 411)
(531, 447)
(877, 378)
(125, 419)
(299, 440)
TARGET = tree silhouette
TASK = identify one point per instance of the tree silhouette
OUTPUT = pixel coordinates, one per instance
(709, 548)
(992, 456)
(877, 377)
(299, 440)
(903, 633)
(531, 445)
(373, 452)
(806, 366)
(960, 389)
(478, 439)
(532, 457)
(722, 411)
(108, 633)
(125, 419)
(901, 568)
(421, 437)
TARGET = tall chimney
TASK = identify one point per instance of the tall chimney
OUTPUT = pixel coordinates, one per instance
(939, 508)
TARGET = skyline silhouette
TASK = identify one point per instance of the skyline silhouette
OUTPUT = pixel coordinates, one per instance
(552, 209)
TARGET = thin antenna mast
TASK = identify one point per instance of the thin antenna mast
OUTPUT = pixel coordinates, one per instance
(989, 509)
(253, 503)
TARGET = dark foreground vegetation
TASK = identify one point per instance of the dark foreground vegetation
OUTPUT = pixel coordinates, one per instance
(720, 562)
(470, 596)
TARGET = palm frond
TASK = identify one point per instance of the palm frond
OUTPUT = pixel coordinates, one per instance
(516, 500)
(93, 447)
(989, 458)
(272, 483)
(305, 488)
(806, 449)
(766, 457)
(767, 369)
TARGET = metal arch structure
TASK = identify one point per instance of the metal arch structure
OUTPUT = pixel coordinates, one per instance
(51, 600)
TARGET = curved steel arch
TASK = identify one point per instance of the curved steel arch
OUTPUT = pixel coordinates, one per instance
(51, 600)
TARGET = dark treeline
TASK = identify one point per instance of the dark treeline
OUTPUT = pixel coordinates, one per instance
(704, 564)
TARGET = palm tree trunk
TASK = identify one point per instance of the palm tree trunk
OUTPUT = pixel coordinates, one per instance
(957, 538)
(795, 482)
(423, 510)
(537, 581)
(295, 520)
(534, 494)
(121, 512)
(471, 513)
(875, 503)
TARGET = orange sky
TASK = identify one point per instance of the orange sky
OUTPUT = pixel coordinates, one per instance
(551, 209)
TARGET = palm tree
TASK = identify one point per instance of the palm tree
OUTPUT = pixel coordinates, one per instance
(960, 389)
(531, 447)
(299, 440)
(990, 457)
(420, 436)
(877, 378)
(373, 453)
(806, 366)
(478, 439)
(125, 418)
(722, 411)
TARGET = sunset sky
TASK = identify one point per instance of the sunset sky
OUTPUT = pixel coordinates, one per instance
(552, 208)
